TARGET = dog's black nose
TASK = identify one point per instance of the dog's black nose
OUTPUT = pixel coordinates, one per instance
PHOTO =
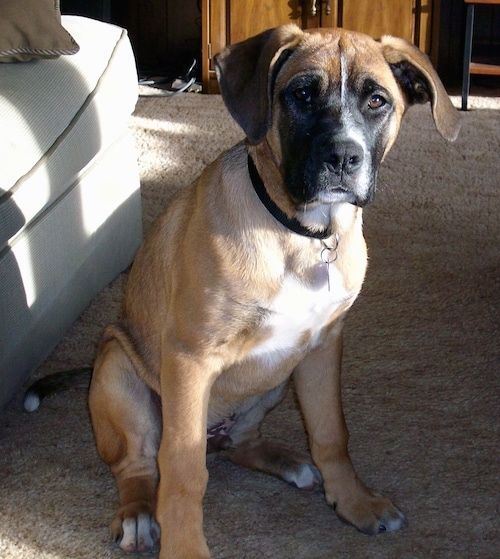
(345, 157)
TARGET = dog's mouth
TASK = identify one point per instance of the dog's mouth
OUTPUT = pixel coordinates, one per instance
(354, 186)
(336, 195)
(318, 185)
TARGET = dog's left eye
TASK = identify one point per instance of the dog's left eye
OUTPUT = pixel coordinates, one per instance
(304, 94)
(376, 101)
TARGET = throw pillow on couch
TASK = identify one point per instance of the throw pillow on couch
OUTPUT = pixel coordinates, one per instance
(32, 29)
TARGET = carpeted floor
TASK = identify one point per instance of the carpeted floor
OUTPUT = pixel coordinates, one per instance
(421, 369)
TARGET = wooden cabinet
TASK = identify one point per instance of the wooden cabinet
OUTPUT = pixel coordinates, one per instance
(227, 22)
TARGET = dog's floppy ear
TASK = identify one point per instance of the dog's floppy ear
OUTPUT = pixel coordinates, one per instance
(246, 72)
(420, 83)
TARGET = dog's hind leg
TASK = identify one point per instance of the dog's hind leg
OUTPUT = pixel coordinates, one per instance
(127, 426)
(265, 455)
(277, 459)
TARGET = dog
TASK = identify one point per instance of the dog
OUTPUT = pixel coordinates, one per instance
(244, 283)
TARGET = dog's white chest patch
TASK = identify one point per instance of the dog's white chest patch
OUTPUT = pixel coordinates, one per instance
(299, 309)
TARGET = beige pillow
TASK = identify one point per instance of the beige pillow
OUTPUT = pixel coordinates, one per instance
(32, 29)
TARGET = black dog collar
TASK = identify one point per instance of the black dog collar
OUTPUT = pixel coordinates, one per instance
(290, 223)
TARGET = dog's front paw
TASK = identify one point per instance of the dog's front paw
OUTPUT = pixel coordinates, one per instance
(135, 532)
(369, 512)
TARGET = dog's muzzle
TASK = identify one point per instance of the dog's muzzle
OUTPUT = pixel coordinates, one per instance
(330, 169)
(344, 174)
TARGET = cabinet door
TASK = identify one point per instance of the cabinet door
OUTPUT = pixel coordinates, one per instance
(226, 22)
(412, 20)
(250, 17)
(380, 17)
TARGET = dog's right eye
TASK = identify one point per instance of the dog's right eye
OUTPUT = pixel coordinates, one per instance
(304, 94)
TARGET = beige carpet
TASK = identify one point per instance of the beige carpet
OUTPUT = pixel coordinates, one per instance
(421, 371)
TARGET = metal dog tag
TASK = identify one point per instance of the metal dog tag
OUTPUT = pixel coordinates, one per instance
(328, 255)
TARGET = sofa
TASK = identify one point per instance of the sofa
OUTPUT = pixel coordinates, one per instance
(70, 207)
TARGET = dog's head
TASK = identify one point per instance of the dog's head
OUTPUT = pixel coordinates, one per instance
(329, 102)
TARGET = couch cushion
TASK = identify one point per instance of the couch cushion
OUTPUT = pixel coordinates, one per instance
(32, 29)
(64, 257)
(59, 114)
(70, 215)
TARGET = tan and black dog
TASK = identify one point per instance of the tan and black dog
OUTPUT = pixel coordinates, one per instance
(245, 280)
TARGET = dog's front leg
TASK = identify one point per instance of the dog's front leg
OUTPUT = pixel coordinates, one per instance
(318, 384)
(185, 390)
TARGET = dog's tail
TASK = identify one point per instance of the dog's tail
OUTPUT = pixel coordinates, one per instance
(52, 384)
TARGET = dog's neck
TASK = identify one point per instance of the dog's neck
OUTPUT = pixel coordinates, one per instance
(291, 223)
